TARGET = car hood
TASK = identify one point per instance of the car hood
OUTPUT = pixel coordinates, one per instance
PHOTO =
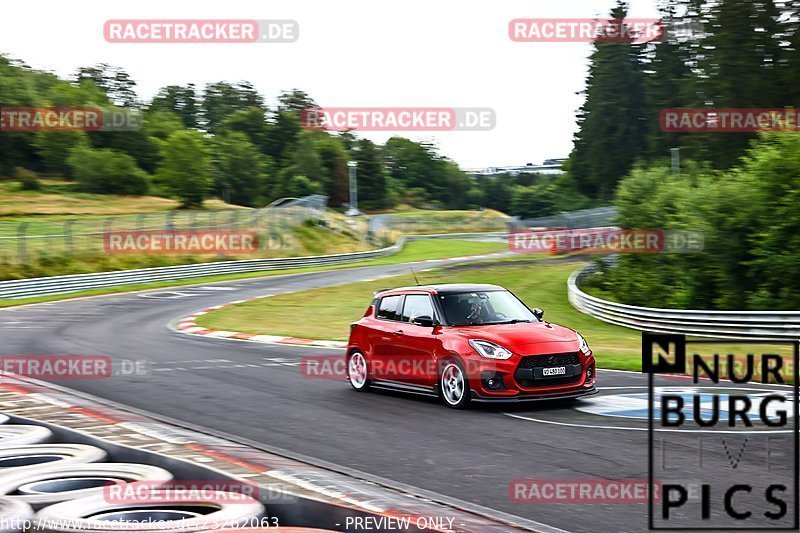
(526, 338)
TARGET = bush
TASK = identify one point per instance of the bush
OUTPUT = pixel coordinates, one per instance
(106, 171)
(749, 218)
(28, 179)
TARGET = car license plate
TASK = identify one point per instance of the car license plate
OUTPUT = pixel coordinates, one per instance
(554, 371)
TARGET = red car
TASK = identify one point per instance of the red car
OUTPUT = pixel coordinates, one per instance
(466, 343)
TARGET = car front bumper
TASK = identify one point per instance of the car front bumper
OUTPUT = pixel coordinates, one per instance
(532, 397)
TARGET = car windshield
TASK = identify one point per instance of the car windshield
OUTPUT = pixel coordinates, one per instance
(482, 308)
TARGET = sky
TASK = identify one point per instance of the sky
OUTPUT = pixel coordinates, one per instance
(351, 53)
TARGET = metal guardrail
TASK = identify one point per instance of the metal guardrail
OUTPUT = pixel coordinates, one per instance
(752, 325)
(584, 218)
(54, 285)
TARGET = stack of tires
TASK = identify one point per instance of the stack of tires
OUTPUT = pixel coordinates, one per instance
(63, 488)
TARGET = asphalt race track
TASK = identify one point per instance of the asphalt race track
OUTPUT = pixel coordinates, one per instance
(256, 391)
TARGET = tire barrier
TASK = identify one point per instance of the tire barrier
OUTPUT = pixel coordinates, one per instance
(56, 484)
(13, 515)
(15, 459)
(20, 435)
(179, 514)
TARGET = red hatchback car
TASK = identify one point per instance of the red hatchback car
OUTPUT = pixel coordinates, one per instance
(466, 343)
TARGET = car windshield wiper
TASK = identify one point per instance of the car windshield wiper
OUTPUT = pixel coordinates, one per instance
(512, 321)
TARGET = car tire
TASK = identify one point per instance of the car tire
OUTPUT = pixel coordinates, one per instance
(56, 484)
(15, 459)
(173, 513)
(358, 376)
(22, 434)
(454, 386)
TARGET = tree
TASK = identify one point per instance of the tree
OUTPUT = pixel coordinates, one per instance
(740, 65)
(107, 171)
(114, 81)
(250, 122)
(222, 99)
(371, 176)
(296, 101)
(334, 158)
(497, 191)
(282, 132)
(54, 148)
(180, 100)
(185, 167)
(669, 83)
(239, 168)
(611, 124)
(533, 201)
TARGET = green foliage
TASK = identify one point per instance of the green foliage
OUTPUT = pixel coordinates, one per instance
(222, 99)
(749, 217)
(611, 127)
(106, 171)
(372, 191)
(239, 169)
(54, 147)
(334, 158)
(299, 185)
(180, 101)
(185, 167)
(27, 179)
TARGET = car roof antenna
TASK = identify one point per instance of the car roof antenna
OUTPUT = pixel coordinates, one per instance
(413, 274)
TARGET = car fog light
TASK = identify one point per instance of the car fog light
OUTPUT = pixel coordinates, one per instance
(589, 374)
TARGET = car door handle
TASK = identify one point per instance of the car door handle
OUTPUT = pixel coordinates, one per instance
(398, 332)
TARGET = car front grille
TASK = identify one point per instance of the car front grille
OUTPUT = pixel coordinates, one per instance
(529, 364)
(548, 360)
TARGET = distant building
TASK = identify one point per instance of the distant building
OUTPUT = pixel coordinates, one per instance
(548, 166)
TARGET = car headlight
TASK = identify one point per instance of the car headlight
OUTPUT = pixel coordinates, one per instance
(490, 350)
(584, 346)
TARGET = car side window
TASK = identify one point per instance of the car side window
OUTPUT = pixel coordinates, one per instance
(389, 308)
(417, 305)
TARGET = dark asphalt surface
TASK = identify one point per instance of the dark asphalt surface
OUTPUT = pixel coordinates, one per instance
(257, 391)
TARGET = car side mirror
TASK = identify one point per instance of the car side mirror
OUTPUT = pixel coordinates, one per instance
(425, 321)
(538, 313)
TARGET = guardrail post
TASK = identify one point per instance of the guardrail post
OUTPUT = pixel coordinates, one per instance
(193, 220)
(140, 222)
(22, 229)
(170, 220)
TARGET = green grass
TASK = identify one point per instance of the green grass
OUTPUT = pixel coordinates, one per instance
(539, 283)
(412, 251)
